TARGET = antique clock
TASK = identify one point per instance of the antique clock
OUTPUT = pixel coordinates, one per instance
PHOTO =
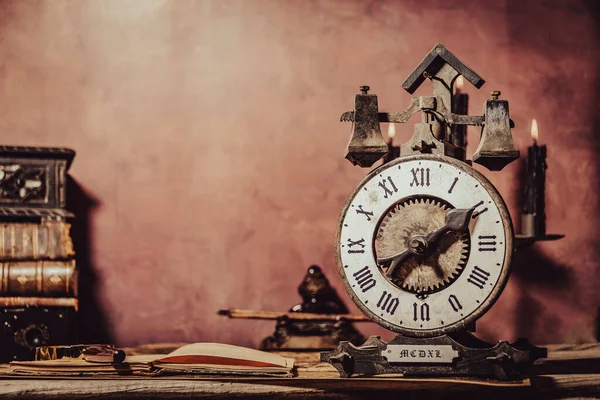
(424, 242)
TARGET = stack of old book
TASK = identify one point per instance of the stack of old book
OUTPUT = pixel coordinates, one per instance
(36, 264)
(38, 286)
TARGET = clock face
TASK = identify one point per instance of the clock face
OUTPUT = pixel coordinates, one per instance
(407, 262)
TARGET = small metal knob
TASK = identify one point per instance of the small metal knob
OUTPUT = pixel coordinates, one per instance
(418, 244)
(364, 89)
(495, 94)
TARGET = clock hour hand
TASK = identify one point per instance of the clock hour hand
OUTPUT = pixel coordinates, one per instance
(396, 260)
(417, 246)
(457, 220)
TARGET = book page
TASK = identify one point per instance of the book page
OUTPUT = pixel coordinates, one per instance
(223, 354)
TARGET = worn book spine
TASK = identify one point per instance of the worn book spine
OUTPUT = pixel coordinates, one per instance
(27, 241)
(38, 278)
(19, 302)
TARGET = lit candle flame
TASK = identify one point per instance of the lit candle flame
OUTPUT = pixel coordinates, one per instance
(391, 130)
(459, 83)
(534, 130)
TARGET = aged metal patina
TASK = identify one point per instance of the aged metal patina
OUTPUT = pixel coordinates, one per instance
(424, 243)
(462, 355)
(434, 134)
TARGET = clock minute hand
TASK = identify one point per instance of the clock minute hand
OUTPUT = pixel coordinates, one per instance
(457, 220)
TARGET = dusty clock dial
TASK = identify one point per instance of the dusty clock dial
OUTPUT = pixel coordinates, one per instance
(406, 252)
(446, 274)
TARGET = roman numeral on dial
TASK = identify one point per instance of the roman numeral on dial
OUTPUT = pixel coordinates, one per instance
(453, 300)
(366, 213)
(364, 278)
(487, 243)
(387, 303)
(478, 210)
(421, 313)
(478, 277)
(420, 177)
(452, 186)
(356, 246)
(388, 190)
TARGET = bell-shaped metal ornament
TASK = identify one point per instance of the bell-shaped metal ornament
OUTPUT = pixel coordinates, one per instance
(366, 143)
(496, 147)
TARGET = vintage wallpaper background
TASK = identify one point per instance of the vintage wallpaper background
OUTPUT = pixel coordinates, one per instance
(209, 169)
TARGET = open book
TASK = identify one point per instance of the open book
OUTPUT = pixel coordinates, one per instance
(211, 358)
(196, 358)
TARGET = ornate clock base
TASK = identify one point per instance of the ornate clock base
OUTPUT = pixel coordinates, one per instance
(459, 354)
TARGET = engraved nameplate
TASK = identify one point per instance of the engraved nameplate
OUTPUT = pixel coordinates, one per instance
(428, 354)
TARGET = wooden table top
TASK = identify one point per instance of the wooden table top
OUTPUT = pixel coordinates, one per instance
(569, 372)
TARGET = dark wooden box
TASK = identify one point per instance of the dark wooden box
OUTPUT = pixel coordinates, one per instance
(24, 328)
(33, 183)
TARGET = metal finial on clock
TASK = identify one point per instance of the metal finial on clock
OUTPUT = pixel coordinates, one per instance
(434, 134)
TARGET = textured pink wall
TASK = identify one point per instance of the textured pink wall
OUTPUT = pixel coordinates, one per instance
(207, 136)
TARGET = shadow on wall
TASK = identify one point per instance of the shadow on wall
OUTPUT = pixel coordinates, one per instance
(537, 317)
(531, 268)
(593, 8)
(92, 321)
